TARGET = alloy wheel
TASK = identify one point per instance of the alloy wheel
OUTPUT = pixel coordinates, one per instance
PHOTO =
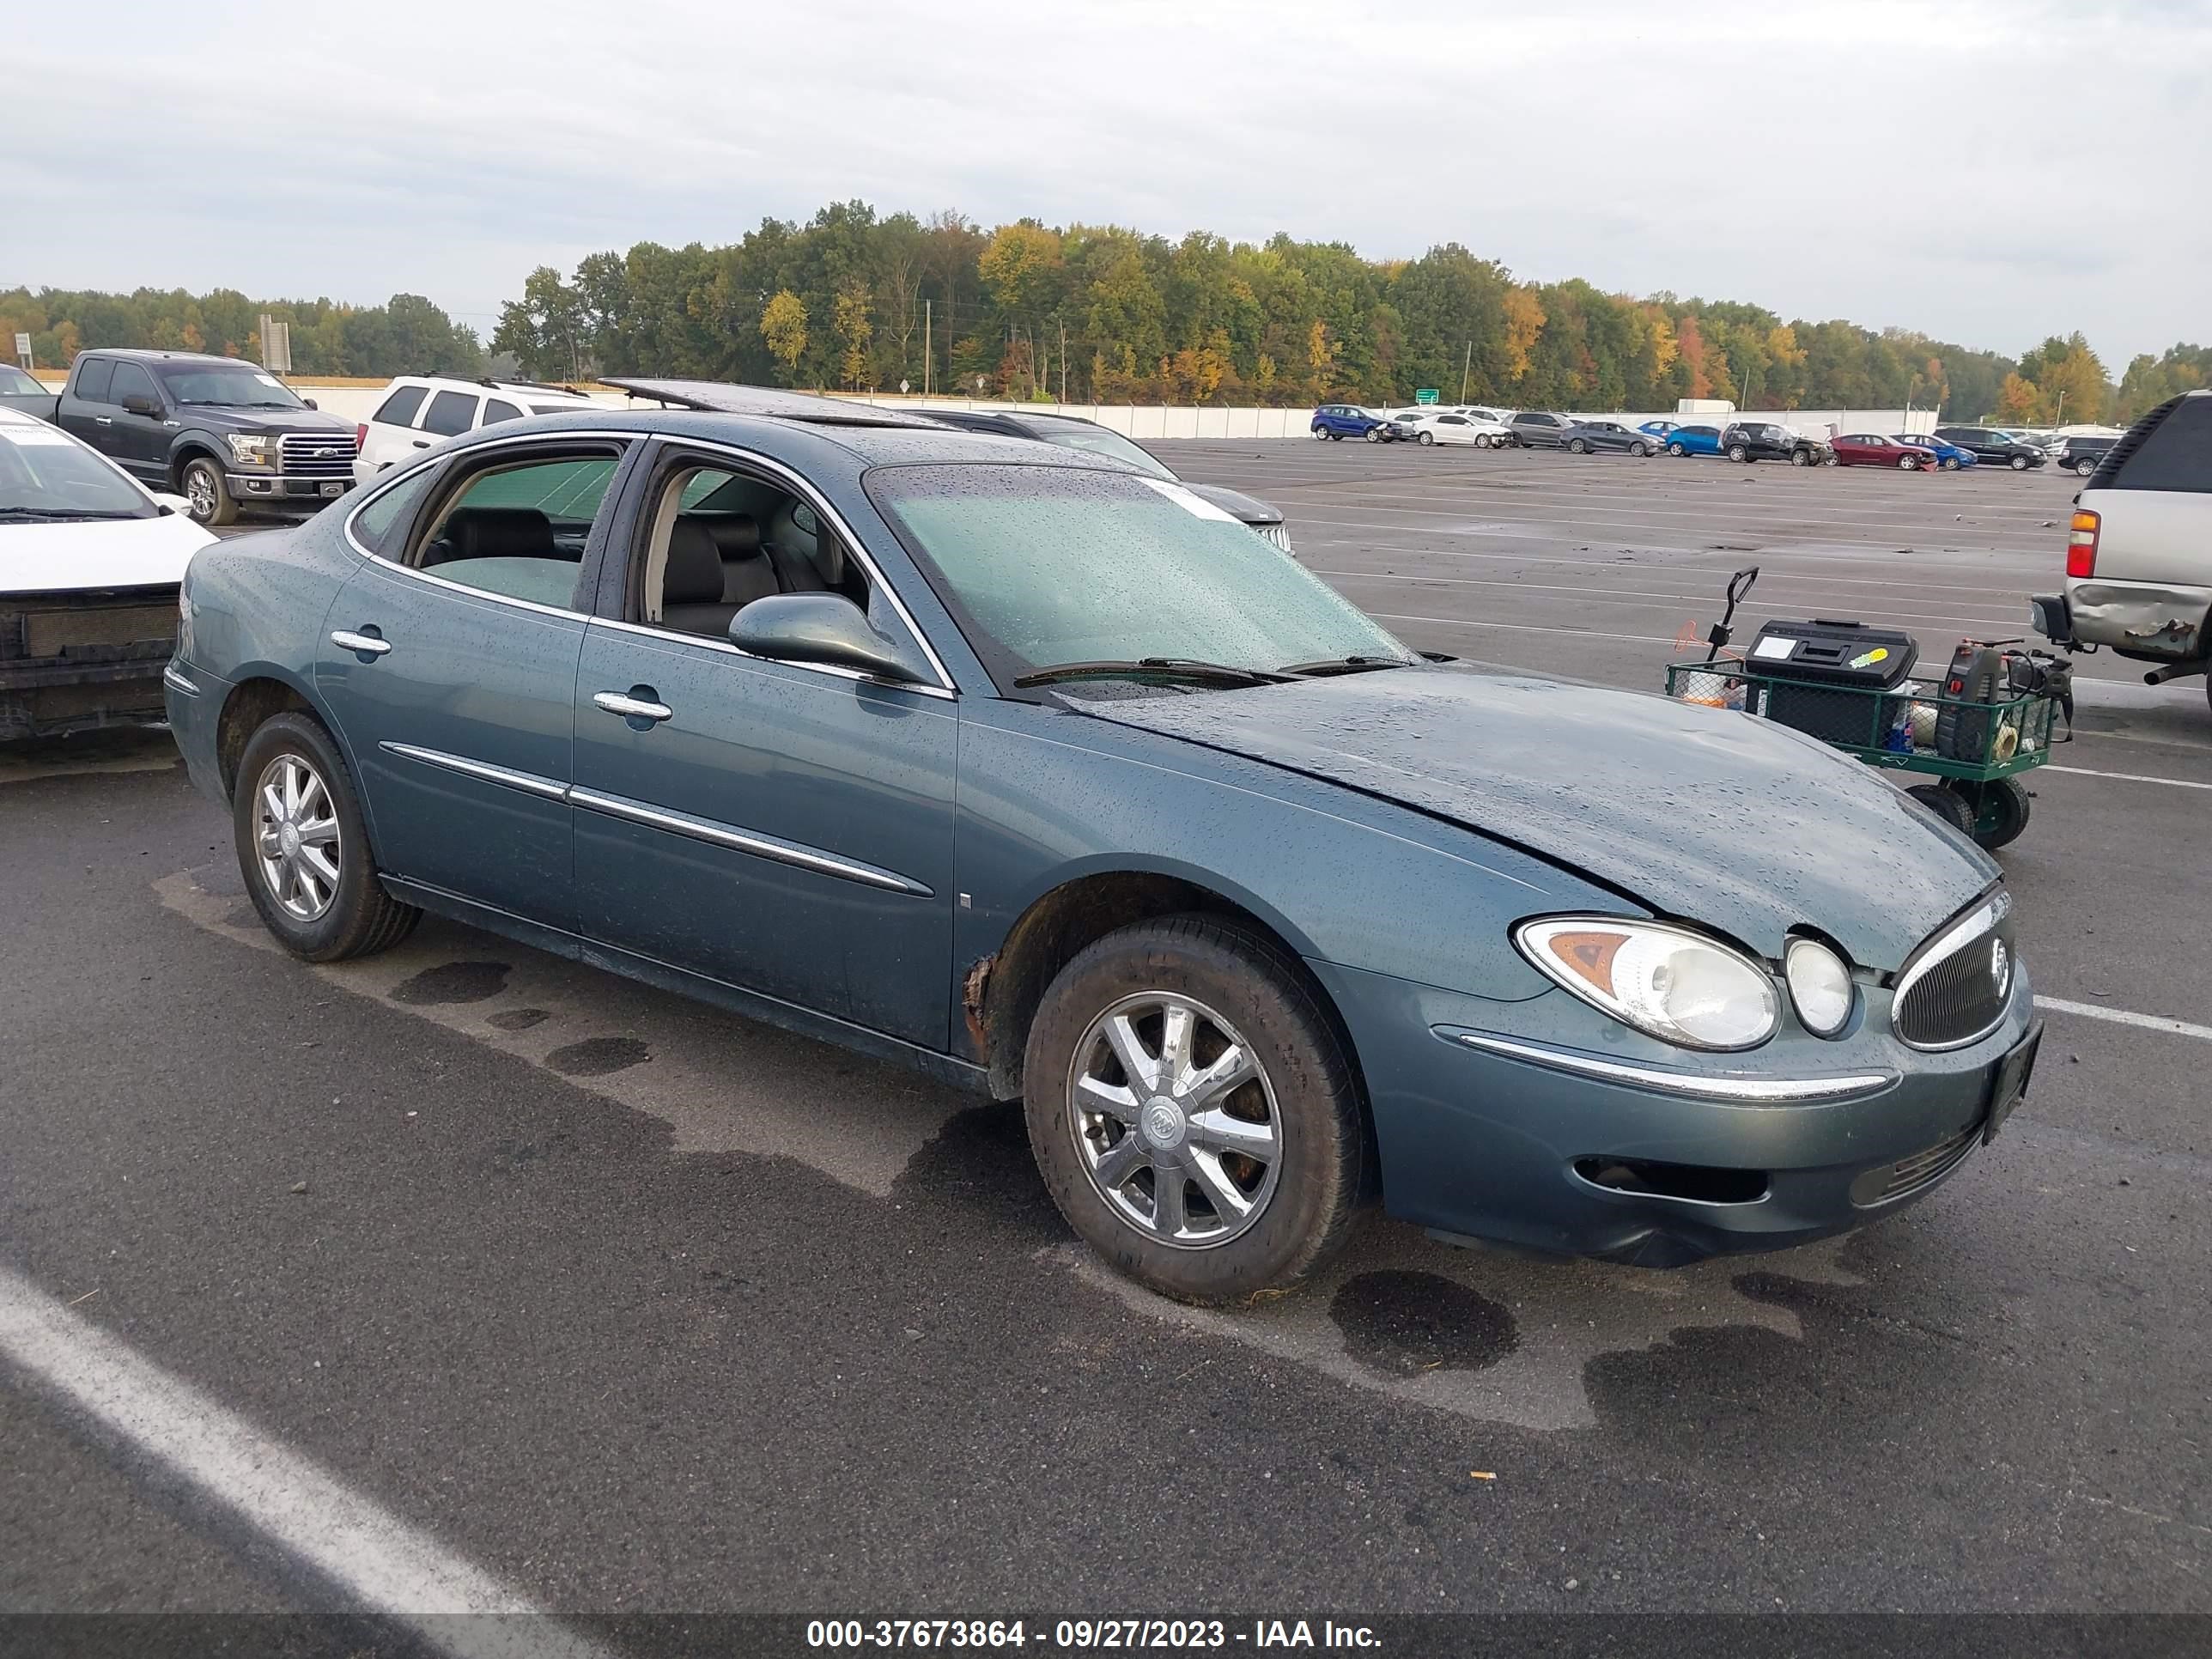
(199, 491)
(295, 836)
(1174, 1120)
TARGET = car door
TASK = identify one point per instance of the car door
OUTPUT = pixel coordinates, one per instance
(85, 413)
(449, 666)
(139, 441)
(780, 827)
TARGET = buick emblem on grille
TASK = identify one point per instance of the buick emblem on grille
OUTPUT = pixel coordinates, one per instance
(1999, 966)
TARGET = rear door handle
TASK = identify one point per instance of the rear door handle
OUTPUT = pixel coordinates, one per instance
(636, 704)
(364, 646)
(422, 443)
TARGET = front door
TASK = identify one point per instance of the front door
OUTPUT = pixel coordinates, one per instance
(138, 443)
(449, 664)
(784, 829)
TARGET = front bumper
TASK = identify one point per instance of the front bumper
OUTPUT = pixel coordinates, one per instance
(285, 487)
(1481, 1142)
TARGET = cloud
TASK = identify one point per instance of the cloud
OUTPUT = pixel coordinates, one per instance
(1988, 172)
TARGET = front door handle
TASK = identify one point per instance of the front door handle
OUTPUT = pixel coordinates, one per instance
(637, 704)
(364, 646)
(102, 420)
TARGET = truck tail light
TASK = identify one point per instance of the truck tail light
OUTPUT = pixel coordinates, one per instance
(360, 436)
(2081, 545)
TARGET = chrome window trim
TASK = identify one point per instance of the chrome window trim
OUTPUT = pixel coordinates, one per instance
(1983, 917)
(529, 782)
(1740, 1090)
(746, 841)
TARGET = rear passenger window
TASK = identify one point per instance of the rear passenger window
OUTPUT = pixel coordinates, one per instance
(498, 410)
(519, 530)
(450, 412)
(92, 380)
(398, 409)
(2176, 456)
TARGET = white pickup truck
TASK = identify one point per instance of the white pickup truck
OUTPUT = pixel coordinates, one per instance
(2139, 553)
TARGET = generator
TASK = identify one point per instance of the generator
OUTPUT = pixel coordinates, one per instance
(1826, 667)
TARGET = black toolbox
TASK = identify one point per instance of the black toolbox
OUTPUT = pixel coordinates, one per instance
(1827, 656)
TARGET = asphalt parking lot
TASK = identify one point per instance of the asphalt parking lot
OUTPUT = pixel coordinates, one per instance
(628, 1306)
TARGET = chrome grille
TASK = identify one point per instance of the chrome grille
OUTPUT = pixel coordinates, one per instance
(1957, 987)
(316, 454)
(1908, 1175)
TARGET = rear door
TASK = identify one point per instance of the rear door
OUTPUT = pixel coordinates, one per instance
(85, 411)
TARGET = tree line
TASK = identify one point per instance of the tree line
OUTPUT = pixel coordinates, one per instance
(1106, 314)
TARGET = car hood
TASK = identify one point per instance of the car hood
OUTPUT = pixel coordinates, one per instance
(226, 417)
(60, 558)
(1249, 508)
(1701, 814)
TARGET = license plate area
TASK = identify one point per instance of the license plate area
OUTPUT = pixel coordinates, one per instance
(2008, 1083)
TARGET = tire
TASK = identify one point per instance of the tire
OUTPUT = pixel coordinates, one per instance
(1949, 463)
(1302, 1102)
(312, 915)
(1322, 432)
(1676, 449)
(2020, 463)
(1638, 450)
(1800, 457)
(209, 492)
(1740, 454)
(1997, 810)
(1908, 464)
(2083, 469)
(1577, 446)
(1427, 439)
(1946, 803)
(1373, 435)
(1482, 441)
(1336, 437)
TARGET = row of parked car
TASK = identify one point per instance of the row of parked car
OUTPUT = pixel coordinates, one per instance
(1947, 449)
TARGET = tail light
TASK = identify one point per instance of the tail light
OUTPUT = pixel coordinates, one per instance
(2081, 545)
(360, 436)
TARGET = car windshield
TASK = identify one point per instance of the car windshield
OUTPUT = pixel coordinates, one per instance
(46, 475)
(1044, 566)
(1102, 441)
(17, 384)
(242, 387)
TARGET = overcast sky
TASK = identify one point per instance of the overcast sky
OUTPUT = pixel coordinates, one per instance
(1990, 173)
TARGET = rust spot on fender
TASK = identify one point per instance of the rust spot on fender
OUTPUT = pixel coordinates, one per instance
(973, 990)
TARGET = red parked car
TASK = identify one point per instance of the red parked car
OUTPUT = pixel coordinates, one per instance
(1872, 449)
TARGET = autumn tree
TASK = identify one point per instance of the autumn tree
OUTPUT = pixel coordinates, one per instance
(783, 326)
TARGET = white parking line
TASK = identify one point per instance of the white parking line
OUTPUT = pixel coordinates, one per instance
(2129, 777)
(2122, 1017)
(1523, 628)
(387, 1566)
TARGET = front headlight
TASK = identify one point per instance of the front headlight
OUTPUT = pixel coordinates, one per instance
(250, 451)
(1667, 982)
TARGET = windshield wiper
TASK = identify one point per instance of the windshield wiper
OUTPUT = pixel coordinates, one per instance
(1186, 668)
(1354, 665)
(60, 512)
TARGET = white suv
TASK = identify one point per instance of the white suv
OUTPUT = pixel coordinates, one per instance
(418, 409)
(2139, 553)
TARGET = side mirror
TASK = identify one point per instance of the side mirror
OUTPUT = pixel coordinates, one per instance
(311, 403)
(135, 405)
(819, 628)
(169, 504)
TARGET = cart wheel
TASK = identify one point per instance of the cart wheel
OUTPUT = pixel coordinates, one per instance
(1946, 803)
(1999, 809)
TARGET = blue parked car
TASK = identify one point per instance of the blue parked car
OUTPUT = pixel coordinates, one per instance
(1046, 777)
(1694, 441)
(1657, 431)
(1950, 456)
(1342, 420)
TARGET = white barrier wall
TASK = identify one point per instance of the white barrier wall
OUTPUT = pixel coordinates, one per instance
(1155, 423)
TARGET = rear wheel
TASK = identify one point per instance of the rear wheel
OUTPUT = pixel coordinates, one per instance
(1946, 803)
(1321, 431)
(303, 847)
(1738, 453)
(1999, 809)
(2083, 469)
(1192, 1111)
(209, 492)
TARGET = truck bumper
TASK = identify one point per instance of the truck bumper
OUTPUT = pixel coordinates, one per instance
(281, 487)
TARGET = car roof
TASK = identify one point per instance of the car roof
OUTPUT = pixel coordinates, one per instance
(144, 355)
(512, 388)
(731, 397)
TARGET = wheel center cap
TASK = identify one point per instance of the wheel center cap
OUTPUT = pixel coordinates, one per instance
(288, 837)
(1161, 1122)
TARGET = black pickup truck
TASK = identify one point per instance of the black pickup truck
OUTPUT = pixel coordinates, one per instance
(214, 430)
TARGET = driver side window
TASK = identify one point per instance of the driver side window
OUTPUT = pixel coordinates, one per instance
(719, 538)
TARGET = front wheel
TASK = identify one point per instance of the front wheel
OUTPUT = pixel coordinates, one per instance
(2020, 463)
(1638, 450)
(1482, 441)
(1427, 438)
(303, 846)
(208, 492)
(1950, 463)
(1800, 457)
(1192, 1111)
(1374, 434)
(1676, 449)
(1908, 464)
(1577, 446)
(1739, 453)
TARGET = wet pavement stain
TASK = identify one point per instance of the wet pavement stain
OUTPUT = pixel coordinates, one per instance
(1400, 1321)
(596, 1056)
(453, 981)
(518, 1019)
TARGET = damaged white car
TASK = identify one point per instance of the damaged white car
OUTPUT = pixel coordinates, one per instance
(90, 563)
